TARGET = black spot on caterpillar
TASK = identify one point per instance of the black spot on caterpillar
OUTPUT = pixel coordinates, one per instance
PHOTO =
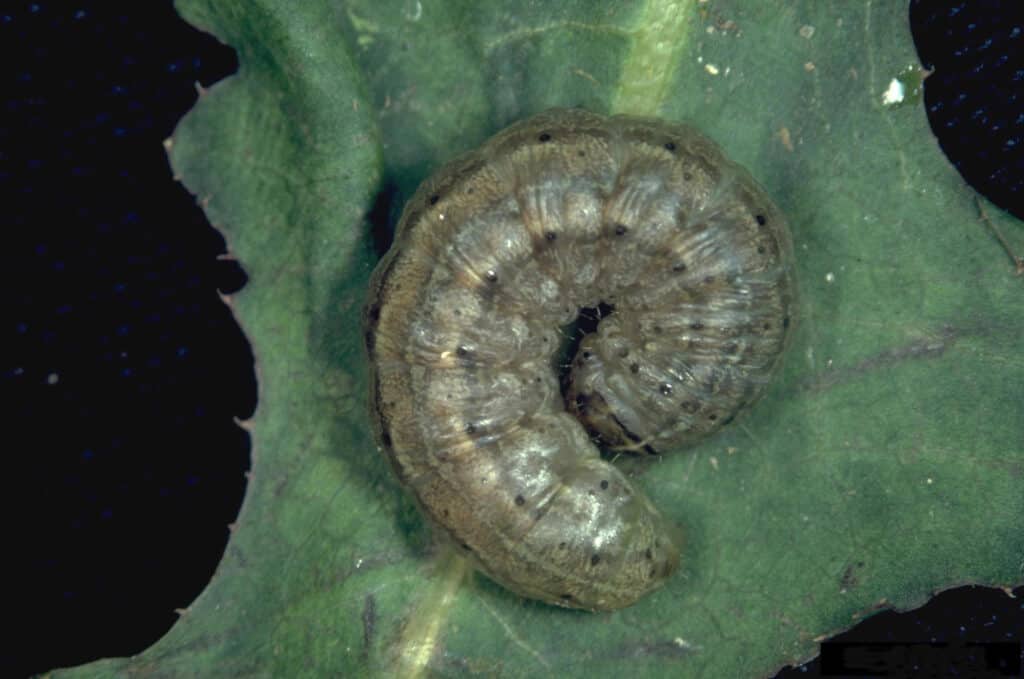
(501, 248)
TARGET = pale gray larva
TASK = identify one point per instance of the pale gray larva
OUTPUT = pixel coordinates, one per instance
(494, 255)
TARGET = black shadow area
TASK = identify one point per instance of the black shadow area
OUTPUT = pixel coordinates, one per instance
(122, 370)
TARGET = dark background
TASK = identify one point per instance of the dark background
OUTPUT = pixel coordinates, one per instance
(124, 370)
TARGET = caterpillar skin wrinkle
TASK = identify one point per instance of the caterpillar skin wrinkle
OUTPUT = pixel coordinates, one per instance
(494, 256)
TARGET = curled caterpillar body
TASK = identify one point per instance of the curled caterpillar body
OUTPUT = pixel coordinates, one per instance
(499, 250)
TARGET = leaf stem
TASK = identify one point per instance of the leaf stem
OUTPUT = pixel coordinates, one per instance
(1017, 260)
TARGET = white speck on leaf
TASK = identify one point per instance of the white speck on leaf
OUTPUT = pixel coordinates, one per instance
(893, 95)
(414, 11)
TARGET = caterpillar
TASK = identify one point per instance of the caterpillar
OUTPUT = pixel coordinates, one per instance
(494, 257)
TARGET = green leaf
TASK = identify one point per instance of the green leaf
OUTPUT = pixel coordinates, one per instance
(883, 466)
